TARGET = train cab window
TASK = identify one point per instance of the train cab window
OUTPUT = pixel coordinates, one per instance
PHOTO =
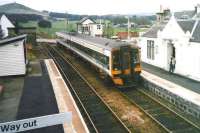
(126, 60)
(136, 56)
(116, 60)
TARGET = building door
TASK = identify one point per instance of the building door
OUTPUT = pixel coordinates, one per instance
(171, 52)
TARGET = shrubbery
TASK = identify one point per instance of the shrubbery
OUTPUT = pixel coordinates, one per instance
(44, 24)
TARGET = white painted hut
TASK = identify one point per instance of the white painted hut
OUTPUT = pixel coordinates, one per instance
(13, 56)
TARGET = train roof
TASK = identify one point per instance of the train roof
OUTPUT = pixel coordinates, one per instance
(100, 41)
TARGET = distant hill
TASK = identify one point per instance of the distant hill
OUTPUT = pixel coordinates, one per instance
(115, 19)
(20, 13)
(15, 8)
(68, 16)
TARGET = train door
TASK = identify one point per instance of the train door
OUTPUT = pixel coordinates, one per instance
(126, 60)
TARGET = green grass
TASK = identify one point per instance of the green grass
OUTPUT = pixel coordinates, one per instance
(50, 32)
(63, 26)
(125, 30)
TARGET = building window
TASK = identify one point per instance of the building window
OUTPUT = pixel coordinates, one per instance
(86, 29)
(150, 50)
(98, 27)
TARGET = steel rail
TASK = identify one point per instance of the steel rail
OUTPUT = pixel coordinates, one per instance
(114, 123)
(169, 120)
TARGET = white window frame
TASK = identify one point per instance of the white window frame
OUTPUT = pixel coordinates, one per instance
(150, 49)
(98, 27)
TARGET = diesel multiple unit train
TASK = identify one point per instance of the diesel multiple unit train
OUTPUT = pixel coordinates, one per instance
(119, 60)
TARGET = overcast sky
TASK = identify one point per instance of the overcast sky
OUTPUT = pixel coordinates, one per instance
(101, 7)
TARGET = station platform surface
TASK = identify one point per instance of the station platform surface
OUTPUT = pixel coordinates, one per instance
(65, 100)
(48, 94)
(37, 100)
(174, 78)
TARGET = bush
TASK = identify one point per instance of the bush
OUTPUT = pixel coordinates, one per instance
(108, 30)
(44, 24)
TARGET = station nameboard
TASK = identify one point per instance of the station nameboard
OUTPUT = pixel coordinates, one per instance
(34, 123)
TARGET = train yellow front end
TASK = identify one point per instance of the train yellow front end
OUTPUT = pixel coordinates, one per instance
(126, 67)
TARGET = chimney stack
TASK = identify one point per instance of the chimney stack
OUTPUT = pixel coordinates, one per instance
(197, 8)
(161, 8)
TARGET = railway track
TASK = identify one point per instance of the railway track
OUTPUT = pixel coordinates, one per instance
(98, 115)
(169, 120)
(166, 118)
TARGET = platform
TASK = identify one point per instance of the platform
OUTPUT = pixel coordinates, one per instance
(37, 100)
(180, 91)
(65, 100)
(177, 79)
(49, 41)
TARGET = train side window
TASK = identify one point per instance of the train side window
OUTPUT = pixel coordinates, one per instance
(172, 100)
(190, 111)
(195, 113)
(100, 58)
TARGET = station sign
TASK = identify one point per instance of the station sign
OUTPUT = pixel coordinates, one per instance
(34, 123)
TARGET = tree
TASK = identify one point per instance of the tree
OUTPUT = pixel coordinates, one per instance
(44, 24)
(119, 20)
(71, 27)
(17, 26)
(143, 20)
(108, 30)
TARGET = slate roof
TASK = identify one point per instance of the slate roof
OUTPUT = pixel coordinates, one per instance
(152, 32)
(186, 25)
(15, 8)
(182, 14)
(11, 40)
(196, 34)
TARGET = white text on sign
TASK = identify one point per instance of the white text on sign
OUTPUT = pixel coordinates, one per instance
(34, 123)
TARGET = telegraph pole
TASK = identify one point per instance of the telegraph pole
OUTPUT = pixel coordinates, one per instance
(66, 22)
(128, 23)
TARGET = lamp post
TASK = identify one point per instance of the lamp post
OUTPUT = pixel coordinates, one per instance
(66, 22)
(128, 24)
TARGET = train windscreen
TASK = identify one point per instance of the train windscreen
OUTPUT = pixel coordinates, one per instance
(136, 56)
(116, 60)
(126, 60)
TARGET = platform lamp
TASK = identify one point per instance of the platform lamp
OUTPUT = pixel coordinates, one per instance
(128, 23)
(66, 21)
